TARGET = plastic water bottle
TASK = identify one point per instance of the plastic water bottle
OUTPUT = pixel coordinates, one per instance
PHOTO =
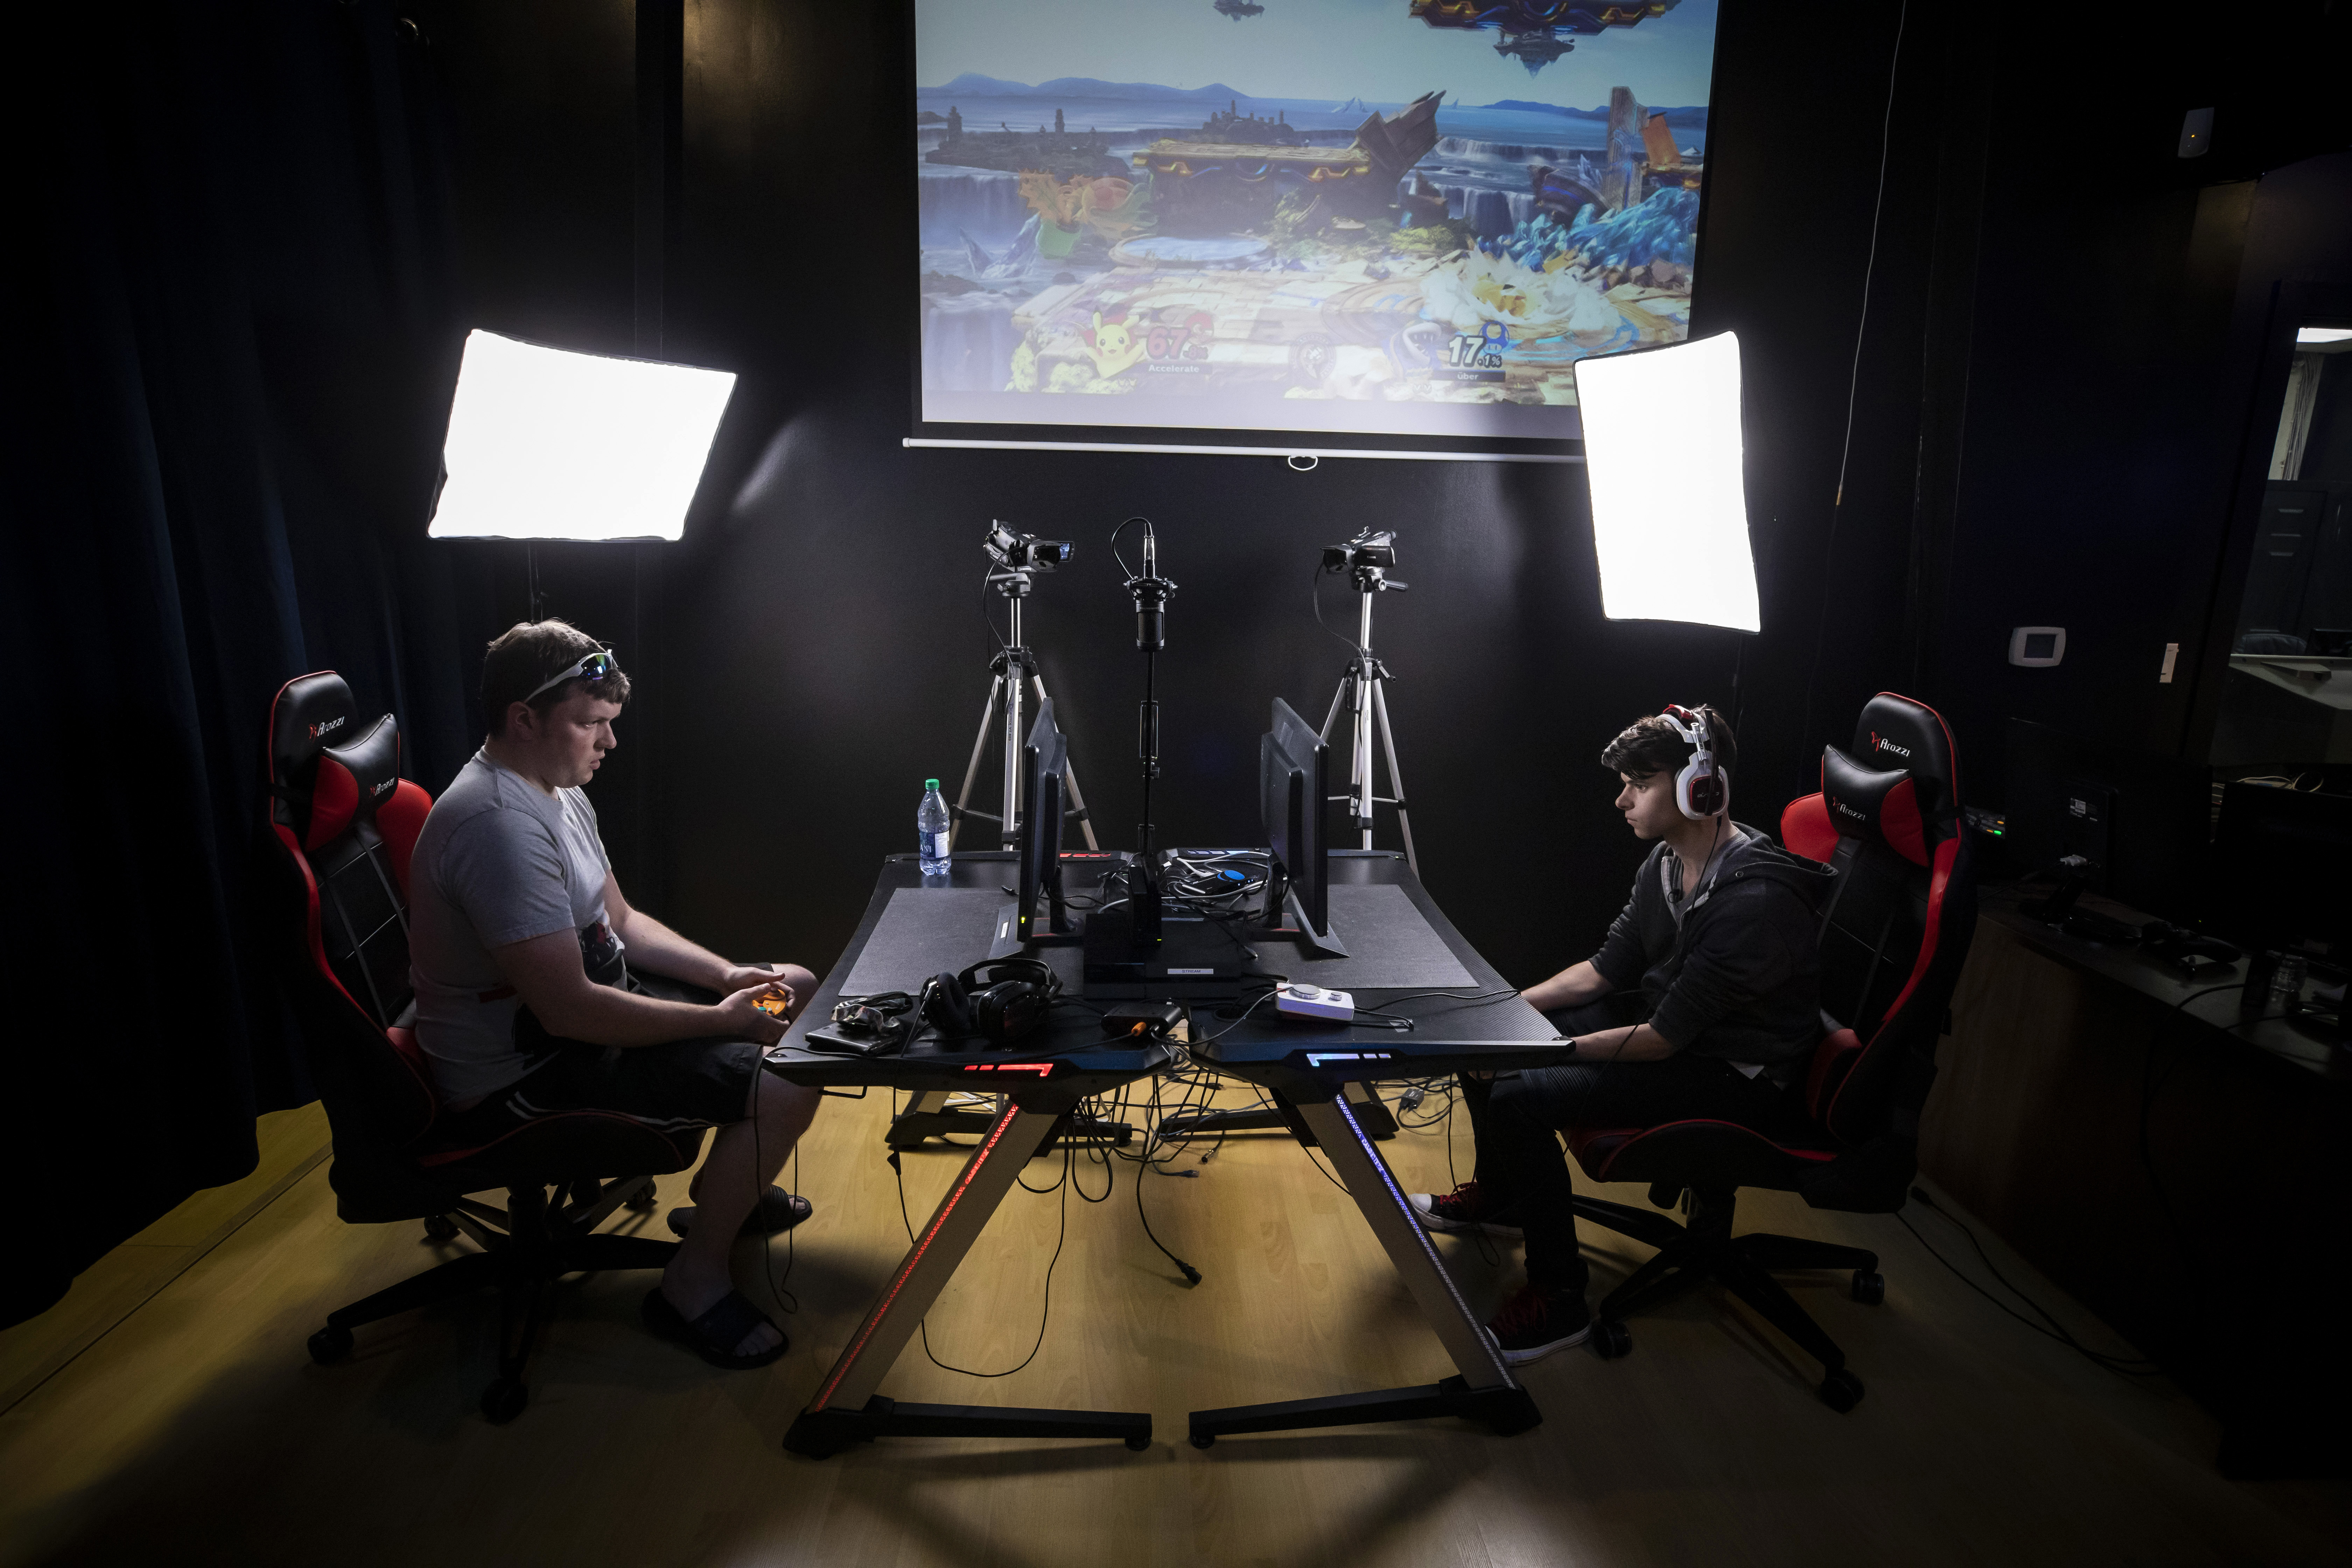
(931, 830)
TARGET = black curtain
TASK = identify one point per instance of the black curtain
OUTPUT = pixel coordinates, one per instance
(223, 447)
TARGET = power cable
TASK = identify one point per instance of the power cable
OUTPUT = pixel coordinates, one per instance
(1853, 375)
(1045, 1315)
(2122, 1366)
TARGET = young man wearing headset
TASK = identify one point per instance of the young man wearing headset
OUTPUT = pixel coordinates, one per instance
(532, 997)
(1702, 1002)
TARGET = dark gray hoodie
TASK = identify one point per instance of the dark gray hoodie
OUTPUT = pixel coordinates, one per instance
(1738, 975)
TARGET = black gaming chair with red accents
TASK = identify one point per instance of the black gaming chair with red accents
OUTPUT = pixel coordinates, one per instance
(347, 822)
(1894, 936)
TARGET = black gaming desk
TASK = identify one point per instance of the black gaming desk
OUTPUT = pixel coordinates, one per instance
(1308, 1067)
(911, 929)
(1042, 1084)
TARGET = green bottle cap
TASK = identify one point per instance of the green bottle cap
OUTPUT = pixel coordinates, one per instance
(930, 783)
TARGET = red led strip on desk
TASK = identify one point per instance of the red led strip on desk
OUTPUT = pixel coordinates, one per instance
(915, 1257)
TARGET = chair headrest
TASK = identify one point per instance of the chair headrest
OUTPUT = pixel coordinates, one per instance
(312, 712)
(1871, 802)
(324, 772)
(1895, 731)
(353, 780)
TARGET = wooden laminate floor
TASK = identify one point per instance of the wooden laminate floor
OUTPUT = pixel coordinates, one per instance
(195, 1429)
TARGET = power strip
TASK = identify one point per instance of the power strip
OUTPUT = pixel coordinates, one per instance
(1296, 1001)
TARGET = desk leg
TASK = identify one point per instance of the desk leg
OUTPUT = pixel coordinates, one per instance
(846, 1409)
(1483, 1388)
(927, 1116)
(1372, 1112)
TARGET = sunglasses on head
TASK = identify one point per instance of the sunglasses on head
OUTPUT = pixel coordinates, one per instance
(594, 667)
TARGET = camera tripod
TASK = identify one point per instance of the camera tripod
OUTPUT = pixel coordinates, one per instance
(1362, 692)
(1015, 680)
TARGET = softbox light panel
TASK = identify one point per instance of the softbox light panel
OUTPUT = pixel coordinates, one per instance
(1663, 454)
(548, 444)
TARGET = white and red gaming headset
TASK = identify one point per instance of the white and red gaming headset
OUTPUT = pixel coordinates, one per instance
(1698, 787)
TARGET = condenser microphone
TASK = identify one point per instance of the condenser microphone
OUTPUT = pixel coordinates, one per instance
(1152, 593)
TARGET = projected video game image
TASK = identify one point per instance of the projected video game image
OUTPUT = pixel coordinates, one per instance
(1403, 217)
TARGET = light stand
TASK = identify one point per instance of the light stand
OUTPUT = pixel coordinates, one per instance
(1018, 557)
(1363, 690)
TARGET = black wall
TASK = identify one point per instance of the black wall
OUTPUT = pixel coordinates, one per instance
(266, 224)
(818, 648)
(2047, 402)
(2115, 335)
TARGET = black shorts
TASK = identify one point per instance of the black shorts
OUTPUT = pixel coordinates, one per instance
(674, 1087)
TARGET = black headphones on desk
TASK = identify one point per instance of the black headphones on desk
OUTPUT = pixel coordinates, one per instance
(999, 1000)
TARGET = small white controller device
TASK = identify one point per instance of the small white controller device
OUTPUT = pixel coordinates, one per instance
(1296, 1001)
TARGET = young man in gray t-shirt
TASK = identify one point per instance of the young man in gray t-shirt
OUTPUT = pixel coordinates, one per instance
(533, 989)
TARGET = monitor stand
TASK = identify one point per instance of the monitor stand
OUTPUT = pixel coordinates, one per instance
(1324, 941)
(1289, 923)
(1007, 943)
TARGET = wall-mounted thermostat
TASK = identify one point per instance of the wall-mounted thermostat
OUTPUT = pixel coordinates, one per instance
(2037, 647)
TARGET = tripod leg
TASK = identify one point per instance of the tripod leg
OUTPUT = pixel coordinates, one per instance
(1069, 777)
(979, 749)
(1396, 780)
(1359, 749)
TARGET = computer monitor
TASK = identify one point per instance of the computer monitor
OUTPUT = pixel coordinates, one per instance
(2282, 859)
(1038, 911)
(1294, 793)
(2332, 642)
(2141, 819)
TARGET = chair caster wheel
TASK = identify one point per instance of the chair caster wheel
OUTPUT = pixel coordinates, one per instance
(1204, 1439)
(1610, 1341)
(1869, 1288)
(1137, 1444)
(503, 1401)
(1840, 1391)
(329, 1345)
(645, 1198)
(440, 1227)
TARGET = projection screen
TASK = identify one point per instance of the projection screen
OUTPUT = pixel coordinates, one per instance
(1365, 223)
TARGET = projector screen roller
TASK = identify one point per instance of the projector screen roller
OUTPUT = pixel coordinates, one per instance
(1401, 221)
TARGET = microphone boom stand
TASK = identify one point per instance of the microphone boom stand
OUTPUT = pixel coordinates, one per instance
(1152, 593)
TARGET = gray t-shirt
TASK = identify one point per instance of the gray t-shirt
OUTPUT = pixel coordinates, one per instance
(498, 861)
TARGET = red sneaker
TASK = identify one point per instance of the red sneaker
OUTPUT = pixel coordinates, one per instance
(1540, 1320)
(1465, 1209)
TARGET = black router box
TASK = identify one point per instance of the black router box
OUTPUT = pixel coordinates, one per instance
(1195, 960)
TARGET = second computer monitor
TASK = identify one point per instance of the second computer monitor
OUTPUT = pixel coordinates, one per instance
(1038, 886)
(1294, 793)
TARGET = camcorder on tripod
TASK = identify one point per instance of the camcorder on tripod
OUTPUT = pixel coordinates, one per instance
(1368, 559)
(1371, 551)
(1018, 558)
(1021, 552)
